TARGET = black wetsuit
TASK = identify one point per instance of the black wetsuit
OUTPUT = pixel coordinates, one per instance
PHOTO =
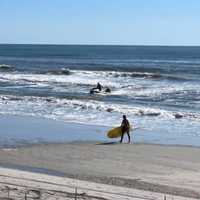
(125, 129)
(99, 87)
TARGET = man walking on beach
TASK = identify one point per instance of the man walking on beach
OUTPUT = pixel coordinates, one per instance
(125, 125)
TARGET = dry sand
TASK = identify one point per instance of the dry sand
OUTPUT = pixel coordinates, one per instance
(172, 170)
(18, 185)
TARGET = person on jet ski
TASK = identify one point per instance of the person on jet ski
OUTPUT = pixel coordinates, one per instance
(99, 86)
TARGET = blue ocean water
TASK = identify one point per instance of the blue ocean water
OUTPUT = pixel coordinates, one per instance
(157, 87)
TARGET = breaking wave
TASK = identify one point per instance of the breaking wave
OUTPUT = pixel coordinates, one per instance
(6, 68)
(85, 110)
(62, 71)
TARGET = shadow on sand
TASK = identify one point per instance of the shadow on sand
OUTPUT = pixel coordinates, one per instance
(107, 143)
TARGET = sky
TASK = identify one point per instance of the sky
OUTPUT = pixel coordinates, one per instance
(116, 22)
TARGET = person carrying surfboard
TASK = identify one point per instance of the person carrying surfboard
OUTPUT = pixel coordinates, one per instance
(125, 126)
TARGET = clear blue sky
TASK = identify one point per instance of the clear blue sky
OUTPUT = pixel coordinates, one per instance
(146, 22)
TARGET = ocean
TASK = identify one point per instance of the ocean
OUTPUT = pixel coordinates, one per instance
(157, 87)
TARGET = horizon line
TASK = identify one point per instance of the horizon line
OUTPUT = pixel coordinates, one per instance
(82, 44)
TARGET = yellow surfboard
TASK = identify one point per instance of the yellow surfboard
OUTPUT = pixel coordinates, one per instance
(115, 132)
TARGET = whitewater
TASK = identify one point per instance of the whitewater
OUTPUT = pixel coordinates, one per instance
(158, 88)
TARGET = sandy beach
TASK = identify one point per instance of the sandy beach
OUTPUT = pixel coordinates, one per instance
(172, 170)
(100, 100)
(33, 148)
(19, 185)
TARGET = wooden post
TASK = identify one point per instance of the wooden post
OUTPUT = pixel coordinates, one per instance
(8, 193)
(25, 195)
(75, 193)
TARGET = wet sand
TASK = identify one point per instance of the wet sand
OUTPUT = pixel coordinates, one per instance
(171, 170)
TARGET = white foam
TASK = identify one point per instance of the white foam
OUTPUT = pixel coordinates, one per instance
(78, 110)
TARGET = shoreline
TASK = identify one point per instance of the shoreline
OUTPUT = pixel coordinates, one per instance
(97, 142)
(27, 131)
(170, 170)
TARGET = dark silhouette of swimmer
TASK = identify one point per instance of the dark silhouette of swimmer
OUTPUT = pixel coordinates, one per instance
(108, 90)
(125, 125)
(99, 86)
